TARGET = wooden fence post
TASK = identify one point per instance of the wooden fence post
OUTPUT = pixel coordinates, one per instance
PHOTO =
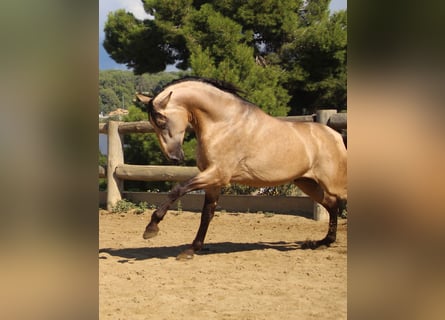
(324, 115)
(320, 213)
(115, 158)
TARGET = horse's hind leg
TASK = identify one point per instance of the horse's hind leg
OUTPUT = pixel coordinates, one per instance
(316, 192)
(211, 199)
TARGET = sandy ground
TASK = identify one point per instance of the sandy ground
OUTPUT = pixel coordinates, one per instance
(252, 268)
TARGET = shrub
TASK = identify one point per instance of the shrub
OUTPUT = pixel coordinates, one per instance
(123, 206)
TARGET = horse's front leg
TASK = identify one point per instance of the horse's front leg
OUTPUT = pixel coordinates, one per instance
(208, 210)
(152, 228)
(203, 180)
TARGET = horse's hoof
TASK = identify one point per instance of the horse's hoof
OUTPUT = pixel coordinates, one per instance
(185, 255)
(150, 232)
(311, 244)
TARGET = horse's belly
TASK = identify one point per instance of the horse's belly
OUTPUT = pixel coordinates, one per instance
(268, 175)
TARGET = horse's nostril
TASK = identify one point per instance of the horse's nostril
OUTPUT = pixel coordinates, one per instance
(177, 159)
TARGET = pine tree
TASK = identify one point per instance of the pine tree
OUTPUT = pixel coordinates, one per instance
(289, 56)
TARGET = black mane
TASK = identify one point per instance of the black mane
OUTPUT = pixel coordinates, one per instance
(222, 85)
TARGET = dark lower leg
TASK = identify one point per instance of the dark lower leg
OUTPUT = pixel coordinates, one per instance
(206, 217)
(207, 214)
(152, 228)
(330, 236)
(332, 231)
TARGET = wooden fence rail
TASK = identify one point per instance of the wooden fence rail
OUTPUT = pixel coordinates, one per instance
(117, 171)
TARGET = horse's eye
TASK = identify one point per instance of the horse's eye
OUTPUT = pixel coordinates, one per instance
(160, 120)
(162, 124)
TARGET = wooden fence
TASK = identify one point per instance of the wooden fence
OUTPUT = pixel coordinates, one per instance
(117, 171)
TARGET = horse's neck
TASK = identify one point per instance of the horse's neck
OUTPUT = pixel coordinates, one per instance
(209, 107)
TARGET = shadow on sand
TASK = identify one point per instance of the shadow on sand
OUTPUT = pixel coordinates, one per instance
(143, 253)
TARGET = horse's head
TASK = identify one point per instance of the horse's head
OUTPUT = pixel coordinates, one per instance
(169, 121)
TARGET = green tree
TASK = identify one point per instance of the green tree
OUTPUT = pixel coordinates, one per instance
(152, 83)
(316, 64)
(108, 100)
(117, 87)
(222, 52)
(102, 163)
(137, 44)
(273, 49)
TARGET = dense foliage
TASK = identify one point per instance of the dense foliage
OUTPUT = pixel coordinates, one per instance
(117, 87)
(289, 56)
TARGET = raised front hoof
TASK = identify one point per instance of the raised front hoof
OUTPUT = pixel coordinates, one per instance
(319, 244)
(150, 232)
(186, 255)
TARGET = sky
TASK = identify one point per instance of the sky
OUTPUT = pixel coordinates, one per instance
(136, 7)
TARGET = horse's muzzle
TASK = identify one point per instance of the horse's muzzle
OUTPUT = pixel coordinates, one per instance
(177, 158)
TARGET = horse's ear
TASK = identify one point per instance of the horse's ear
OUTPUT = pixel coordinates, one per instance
(163, 103)
(143, 98)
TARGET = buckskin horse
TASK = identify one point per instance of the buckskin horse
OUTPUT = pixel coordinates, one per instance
(239, 143)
